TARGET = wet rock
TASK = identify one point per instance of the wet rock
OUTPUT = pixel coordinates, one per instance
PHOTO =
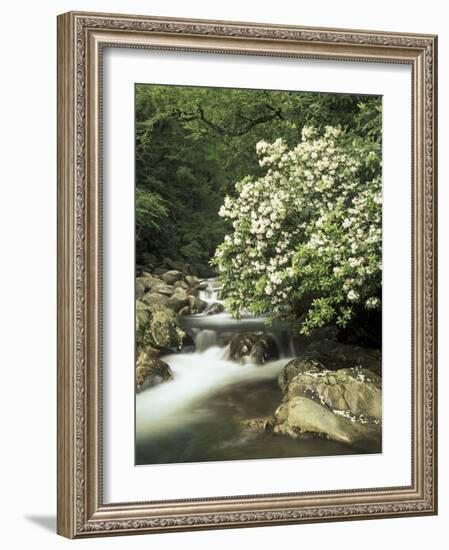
(295, 367)
(188, 343)
(157, 329)
(171, 277)
(163, 331)
(163, 288)
(154, 299)
(140, 289)
(253, 347)
(215, 309)
(178, 299)
(357, 391)
(301, 415)
(184, 311)
(193, 291)
(147, 281)
(202, 285)
(195, 304)
(181, 284)
(344, 405)
(143, 315)
(150, 372)
(192, 280)
(264, 424)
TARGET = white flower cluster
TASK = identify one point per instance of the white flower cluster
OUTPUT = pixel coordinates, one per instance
(310, 227)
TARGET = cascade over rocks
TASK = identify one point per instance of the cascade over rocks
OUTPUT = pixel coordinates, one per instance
(331, 390)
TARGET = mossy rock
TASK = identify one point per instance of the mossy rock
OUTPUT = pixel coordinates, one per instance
(195, 304)
(302, 415)
(151, 372)
(178, 299)
(147, 281)
(171, 277)
(153, 299)
(295, 367)
(215, 309)
(357, 392)
(253, 347)
(344, 405)
(163, 331)
(163, 288)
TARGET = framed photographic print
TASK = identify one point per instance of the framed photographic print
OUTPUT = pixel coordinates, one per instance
(246, 274)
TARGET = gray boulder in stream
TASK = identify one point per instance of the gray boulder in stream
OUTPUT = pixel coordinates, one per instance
(171, 277)
(178, 299)
(344, 405)
(151, 371)
(215, 309)
(253, 347)
(195, 304)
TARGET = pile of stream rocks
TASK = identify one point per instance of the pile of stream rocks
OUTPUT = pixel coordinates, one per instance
(161, 296)
(171, 289)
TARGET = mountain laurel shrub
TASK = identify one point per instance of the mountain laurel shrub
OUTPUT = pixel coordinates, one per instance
(306, 237)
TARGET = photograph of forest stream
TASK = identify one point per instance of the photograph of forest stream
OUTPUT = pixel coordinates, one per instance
(258, 218)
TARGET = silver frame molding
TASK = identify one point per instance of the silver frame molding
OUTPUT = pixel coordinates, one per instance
(81, 39)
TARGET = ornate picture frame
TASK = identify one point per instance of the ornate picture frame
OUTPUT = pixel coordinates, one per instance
(82, 38)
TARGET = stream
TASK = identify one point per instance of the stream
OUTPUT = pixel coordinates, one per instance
(198, 416)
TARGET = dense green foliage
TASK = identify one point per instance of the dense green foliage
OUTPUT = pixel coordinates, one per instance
(193, 144)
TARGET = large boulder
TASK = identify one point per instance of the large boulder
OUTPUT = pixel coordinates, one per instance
(163, 331)
(253, 347)
(357, 391)
(147, 281)
(163, 288)
(261, 424)
(150, 372)
(192, 280)
(178, 299)
(295, 367)
(195, 304)
(302, 415)
(171, 277)
(181, 284)
(154, 299)
(157, 329)
(143, 315)
(344, 405)
(215, 309)
(140, 289)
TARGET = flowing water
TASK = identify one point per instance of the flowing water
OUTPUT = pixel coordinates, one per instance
(198, 415)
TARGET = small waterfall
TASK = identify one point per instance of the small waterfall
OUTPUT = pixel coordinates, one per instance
(212, 293)
(205, 339)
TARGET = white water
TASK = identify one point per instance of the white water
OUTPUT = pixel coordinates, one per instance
(211, 294)
(201, 373)
(196, 375)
